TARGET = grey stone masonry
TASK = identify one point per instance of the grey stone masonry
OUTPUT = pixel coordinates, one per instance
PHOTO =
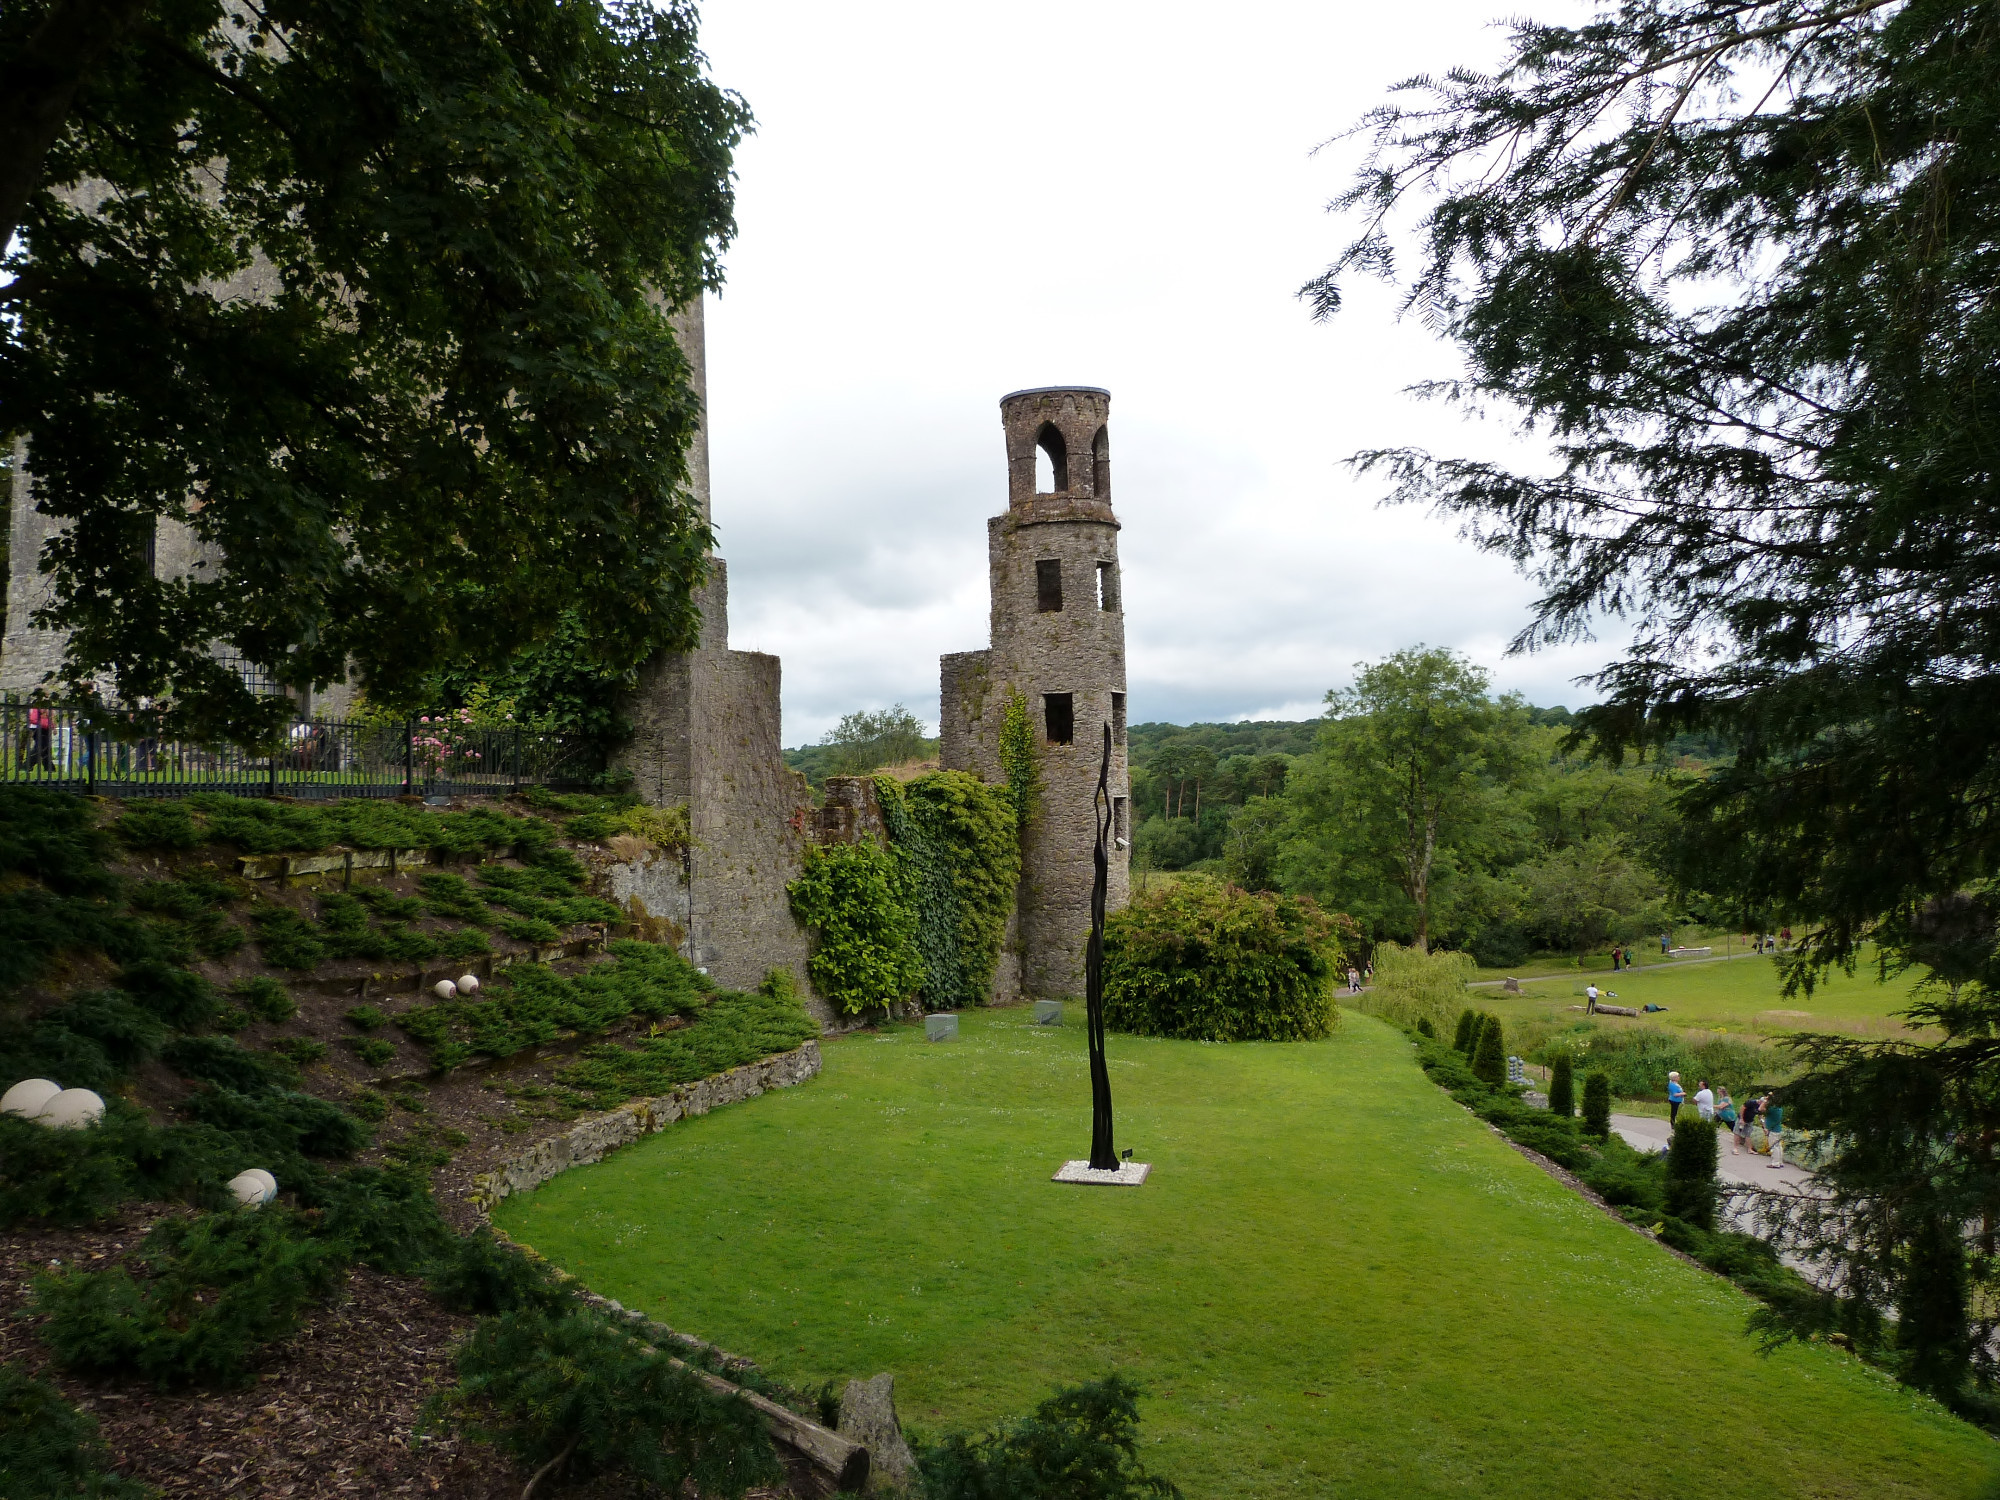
(707, 734)
(1058, 639)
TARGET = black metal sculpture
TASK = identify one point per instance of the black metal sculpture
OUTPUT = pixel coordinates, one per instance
(1103, 1155)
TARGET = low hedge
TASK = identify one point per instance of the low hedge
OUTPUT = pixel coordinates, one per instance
(1201, 961)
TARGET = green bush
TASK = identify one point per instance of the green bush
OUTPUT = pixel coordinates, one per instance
(452, 896)
(578, 1386)
(287, 939)
(157, 825)
(1691, 1160)
(51, 1451)
(865, 951)
(732, 1030)
(1562, 1087)
(302, 1050)
(1489, 1059)
(1203, 961)
(1637, 1059)
(371, 1050)
(1463, 1039)
(531, 1004)
(220, 1287)
(62, 1176)
(382, 1217)
(1424, 1028)
(364, 1017)
(284, 1127)
(266, 999)
(184, 1000)
(1079, 1444)
(1597, 1105)
(481, 1275)
(215, 1059)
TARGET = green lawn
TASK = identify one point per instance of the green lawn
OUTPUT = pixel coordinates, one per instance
(1740, 997)
(1337, 1282)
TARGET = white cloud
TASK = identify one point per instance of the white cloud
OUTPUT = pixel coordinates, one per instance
(945, 203)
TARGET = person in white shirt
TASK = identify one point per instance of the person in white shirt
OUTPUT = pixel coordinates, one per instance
(1590, 994)
(1704, 1100)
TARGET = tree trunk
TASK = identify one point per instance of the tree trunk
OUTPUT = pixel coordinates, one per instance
(38, 89)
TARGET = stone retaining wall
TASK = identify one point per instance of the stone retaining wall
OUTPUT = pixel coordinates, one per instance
(593, 1139)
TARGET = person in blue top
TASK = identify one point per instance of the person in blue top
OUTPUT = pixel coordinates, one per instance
(1675, 1094)
(1774, 1126)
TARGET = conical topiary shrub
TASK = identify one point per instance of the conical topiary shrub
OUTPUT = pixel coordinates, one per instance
(1562, 1088)
(1489, 1063)
(1424, 1028)
(1691, 1171)
(1597, 1104)
(1464, 1037)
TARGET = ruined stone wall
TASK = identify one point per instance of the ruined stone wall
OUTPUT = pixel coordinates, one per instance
(1058, 630)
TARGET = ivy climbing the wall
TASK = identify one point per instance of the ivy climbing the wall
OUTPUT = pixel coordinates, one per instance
(925, 916)
(955, 841)
(865, 939)
(1020, 757)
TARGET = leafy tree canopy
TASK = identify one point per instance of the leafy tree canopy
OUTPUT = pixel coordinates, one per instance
(1735, 262)
(372, 299)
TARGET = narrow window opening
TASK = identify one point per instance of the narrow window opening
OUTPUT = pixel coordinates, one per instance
(1118, 718)
(1107, 587)
(1118, 825)
(150, 553)
(1048, 585)
(1100, 464)
(1059, 713)
(1051, 461)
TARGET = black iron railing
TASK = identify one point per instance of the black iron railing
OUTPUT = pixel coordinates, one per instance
(119, 752)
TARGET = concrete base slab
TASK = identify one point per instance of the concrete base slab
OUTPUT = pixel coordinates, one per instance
(1129, 1174)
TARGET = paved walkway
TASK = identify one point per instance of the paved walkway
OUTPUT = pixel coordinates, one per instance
(1646, 1133)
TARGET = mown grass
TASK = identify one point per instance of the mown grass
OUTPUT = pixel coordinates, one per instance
(1337, 1282)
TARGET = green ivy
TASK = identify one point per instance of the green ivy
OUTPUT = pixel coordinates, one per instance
(956, 842)
(865, 952)
(1020, 757)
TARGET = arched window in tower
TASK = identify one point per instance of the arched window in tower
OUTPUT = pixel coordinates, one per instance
(1051, 461)
(1100, 464)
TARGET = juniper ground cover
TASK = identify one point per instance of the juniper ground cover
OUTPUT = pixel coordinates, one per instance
(1337, 1281)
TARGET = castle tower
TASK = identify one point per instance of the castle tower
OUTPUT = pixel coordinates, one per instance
(1058, 639)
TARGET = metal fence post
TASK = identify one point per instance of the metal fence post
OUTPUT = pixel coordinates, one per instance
(90, 761)
(409, 756)
(517, 760)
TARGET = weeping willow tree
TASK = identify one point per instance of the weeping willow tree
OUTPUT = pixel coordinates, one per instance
(1734, 265)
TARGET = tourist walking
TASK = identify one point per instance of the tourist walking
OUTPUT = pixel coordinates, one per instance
(1744, 1121)
(1676, 1095)
(1704, 1099)
(1666, 941)
(1725, 1108)
(1353, 980)
(1774, 1126)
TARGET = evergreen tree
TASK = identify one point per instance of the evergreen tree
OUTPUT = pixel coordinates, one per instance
(1489, 1062)
(1562, 1088)
(1690, 1194)
(1464, 1037)
(1597, 1105)
(1424, 1028)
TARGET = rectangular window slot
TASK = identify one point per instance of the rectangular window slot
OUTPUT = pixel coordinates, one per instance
(1118, 718)
(1059, 713)
(1048, 585)
(1119, 826)
(1107, 586)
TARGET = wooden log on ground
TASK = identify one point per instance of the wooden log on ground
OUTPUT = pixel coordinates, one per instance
(841, 1462)
(1616, 1010)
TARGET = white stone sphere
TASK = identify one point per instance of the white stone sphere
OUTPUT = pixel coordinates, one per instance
(72, 1109)
(468, 984)
(28, 1097)
(444, 989)
(254, 1188)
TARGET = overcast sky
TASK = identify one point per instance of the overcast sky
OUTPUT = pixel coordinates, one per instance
(944, 203)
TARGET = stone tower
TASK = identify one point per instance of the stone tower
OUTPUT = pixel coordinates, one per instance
(1058, 633)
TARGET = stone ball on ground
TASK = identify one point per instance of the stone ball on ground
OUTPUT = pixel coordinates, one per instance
(444, 989)
(468, 984)
(254, 1188)
(72, 1109)
(28, 1097)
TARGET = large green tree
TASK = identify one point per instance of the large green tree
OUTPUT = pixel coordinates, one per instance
(375, 299)
(1406, 781)
(1736, 263)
